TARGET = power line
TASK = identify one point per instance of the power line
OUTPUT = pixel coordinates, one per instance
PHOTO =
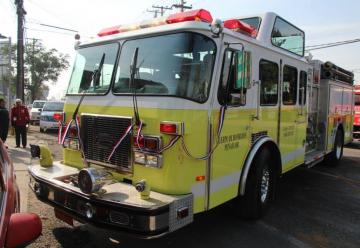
(334, 44)
(48, 31)
(51, 26)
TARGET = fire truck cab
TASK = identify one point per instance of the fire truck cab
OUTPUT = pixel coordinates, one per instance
(175, 116)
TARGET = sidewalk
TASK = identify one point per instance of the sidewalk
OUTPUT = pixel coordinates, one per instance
(21, 159)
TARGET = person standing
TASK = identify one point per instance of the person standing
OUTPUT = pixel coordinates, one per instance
(4, 120)
(19, 119)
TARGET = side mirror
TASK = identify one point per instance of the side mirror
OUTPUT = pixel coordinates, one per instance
(243, 70)
(22, 228)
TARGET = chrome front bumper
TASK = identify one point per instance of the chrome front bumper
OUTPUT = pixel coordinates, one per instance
(118, 206)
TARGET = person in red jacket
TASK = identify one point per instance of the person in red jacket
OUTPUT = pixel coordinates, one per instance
(19, 119)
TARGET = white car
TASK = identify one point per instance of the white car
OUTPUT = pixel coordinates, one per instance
(36, 111)
(47, 120)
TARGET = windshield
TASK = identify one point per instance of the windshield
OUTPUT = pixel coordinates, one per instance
(53, 106)
(86, 67)
(38, 104)
(170, 65)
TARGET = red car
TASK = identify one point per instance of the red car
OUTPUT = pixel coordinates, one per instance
(15, 228)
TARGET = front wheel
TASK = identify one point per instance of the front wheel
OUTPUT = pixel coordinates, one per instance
(260, 187)
(42, 130)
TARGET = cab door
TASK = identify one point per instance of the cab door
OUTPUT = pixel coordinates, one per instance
(234, 140)
(301, 118)
(288, 117)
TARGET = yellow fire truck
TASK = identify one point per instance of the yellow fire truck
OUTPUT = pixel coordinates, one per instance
(175, 116)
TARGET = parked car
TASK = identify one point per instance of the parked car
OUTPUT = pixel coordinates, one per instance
(15, 228)
(35, 111)
(47, 120)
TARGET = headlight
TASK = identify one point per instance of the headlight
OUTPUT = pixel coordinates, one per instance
(139, 157)
(152, 161)
(148, 160)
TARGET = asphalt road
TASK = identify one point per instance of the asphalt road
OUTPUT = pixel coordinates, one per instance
(316, 207)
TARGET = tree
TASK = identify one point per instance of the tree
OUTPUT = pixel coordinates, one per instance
(41, 65)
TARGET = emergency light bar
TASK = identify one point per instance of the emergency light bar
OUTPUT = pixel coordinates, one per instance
(241, 27)
(193, 15)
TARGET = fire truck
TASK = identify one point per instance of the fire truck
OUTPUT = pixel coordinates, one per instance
(171, 117)
(356, 131)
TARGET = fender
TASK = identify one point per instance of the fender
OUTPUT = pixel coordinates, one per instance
(250, 157)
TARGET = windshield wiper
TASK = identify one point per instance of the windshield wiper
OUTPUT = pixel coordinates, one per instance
(133, 73)
(97, 72)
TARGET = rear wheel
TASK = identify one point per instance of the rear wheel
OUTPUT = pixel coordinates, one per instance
(260, 187)
(42, 130)
(335, 156)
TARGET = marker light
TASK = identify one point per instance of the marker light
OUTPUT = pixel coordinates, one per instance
(174, 128)
(240, 27)
(200, 178)
(192, 15)
(58, 117)
(149, 143)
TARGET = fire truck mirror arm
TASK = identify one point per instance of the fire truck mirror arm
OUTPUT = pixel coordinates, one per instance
(258, 83)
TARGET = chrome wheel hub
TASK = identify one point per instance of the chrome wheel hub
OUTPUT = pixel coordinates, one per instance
(265, 181)
(338, 151)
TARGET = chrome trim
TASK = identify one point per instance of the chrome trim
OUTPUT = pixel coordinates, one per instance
(110, 116)
(250, 158)
(208, 168)
(117, 168)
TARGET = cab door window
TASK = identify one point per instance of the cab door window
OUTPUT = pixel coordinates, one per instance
(235, 78)
(289, 90)
(302, 88)
(269, 77)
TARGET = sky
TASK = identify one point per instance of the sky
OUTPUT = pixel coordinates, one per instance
(324, 21)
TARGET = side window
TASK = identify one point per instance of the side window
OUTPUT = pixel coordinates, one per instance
(235, 77)
(302, 87)
(269, 77)
(289, 92)
(288, 37)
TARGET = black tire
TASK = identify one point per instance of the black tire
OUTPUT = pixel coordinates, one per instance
(333, 158)
(255, 202)
(42, 130)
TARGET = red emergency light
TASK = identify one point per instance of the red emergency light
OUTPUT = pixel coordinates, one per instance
(241, 27)
(109, 31)
(192, 15)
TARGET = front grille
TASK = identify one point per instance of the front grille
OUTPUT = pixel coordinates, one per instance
(100, 134)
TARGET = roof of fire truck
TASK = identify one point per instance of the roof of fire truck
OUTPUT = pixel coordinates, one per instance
(200, 20)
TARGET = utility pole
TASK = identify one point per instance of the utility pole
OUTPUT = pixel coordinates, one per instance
(162, 9)
(156, 12)
(182, 6)
(20, 50)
